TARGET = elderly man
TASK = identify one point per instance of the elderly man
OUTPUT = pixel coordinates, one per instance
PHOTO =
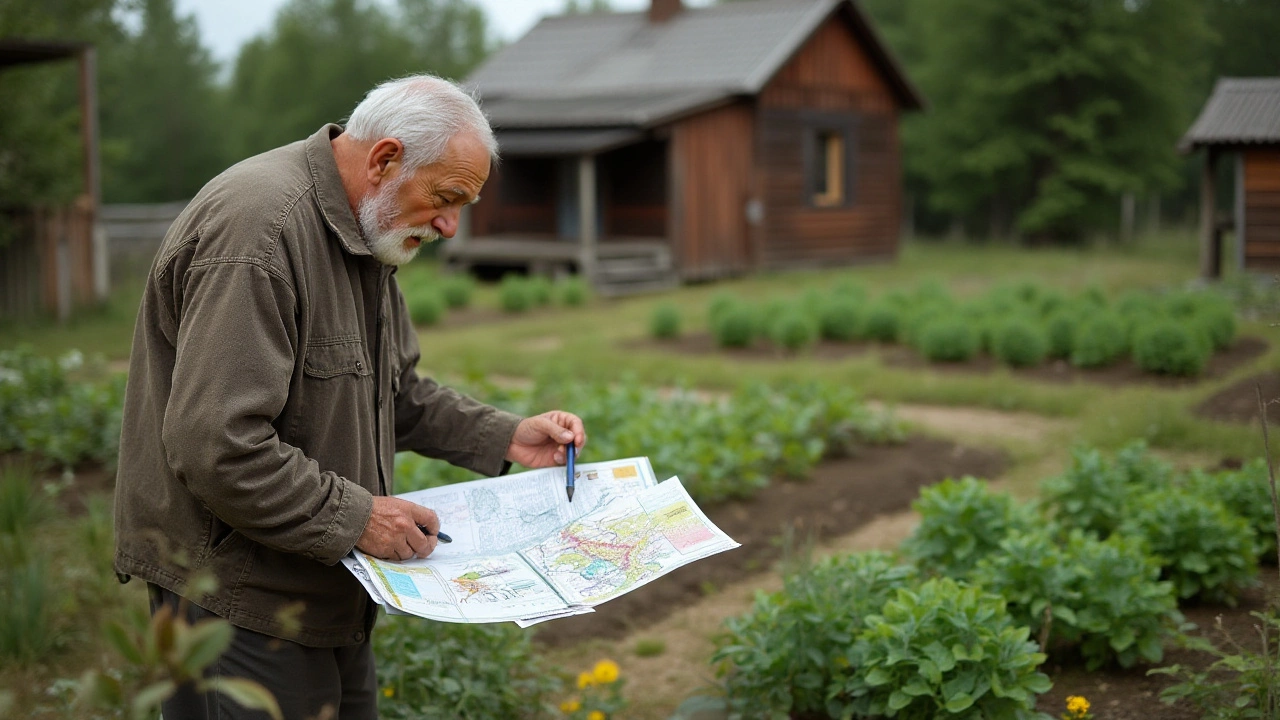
(273, 379)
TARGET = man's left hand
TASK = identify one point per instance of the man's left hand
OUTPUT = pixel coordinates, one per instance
(539, 440)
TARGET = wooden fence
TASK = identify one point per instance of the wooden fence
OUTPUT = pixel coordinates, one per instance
(53, 262)
(134, 233)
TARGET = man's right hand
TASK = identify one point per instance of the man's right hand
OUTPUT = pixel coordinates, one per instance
(392, 532)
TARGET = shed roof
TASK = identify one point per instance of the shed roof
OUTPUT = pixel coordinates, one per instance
(619, 68)
(20, 51)
(1240, 111)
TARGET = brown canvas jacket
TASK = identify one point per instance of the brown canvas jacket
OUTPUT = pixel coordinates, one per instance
(272, 380)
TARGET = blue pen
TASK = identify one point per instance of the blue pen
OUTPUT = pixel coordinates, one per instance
(440, 536)
(569, 451)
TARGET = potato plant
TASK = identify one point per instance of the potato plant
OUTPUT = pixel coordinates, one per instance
(961, 522)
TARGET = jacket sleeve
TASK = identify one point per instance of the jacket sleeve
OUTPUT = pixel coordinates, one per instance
(442, 423)
(236, 350)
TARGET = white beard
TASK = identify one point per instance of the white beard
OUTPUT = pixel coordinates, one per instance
(377, 221)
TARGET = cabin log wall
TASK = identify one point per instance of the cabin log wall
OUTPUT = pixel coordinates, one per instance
(1262, 209)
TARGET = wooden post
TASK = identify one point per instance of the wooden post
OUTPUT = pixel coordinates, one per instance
(1241, 229)
(587, 217)
(1209, 264)
(88, 62)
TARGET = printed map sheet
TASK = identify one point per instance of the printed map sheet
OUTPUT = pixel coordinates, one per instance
(522, 552)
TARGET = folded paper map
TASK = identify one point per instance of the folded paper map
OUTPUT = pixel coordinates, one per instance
(522, 552)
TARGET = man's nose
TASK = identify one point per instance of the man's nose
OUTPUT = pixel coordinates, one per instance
(446, 223)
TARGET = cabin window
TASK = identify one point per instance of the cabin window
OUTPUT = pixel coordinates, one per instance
(828, 167)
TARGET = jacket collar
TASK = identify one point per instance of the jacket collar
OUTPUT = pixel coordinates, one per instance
(330, 193)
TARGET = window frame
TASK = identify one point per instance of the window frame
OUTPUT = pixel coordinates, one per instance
(816, 126)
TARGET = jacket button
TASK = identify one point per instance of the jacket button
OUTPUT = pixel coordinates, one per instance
(359, 366)
(358, 637)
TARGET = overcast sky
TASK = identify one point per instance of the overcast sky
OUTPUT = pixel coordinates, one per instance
(226, 24)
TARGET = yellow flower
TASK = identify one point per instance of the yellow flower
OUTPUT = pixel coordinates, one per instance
(388, 691)
(585, 680)
(595, 715)
(605, 672)
(1077, 705)
(570, 706)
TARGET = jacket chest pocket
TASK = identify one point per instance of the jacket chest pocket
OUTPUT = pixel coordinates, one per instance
(329, 358)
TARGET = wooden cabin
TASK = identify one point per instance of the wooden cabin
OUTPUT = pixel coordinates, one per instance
(56, 260)
(641, 149)
(1241, 121)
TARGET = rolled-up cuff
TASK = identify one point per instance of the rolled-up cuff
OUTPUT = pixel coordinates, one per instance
(354, 510)
(496, 437)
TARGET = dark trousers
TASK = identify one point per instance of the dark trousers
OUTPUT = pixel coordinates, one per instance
(309, 683)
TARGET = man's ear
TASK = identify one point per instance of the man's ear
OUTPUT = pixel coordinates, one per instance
(384, 160)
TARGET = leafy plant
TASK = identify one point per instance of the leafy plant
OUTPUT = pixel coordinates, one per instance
(1169, 348)
(794, 330)
(573, 291)
(840, 317)
(883, 322)
(794, 649)
(600, 694)
(1020, 342)
(1100, 340)
(944, 649)
(961, 522)
(948, 339)
(1205, 550)
(426, 308)
(444, 670)
(1091, 495)
(539, 289)
(456, 291)
(664, 323)
(1241, 684)
(735, 326)
(515, 294)
(1244, 492)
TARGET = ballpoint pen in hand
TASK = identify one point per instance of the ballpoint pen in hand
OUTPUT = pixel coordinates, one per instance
(569, 452)
(439, 535)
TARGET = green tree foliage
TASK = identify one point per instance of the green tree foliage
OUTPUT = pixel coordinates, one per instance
(1044, 113)
(162, 135)
(322, 56)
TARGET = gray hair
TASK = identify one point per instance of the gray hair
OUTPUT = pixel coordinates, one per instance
(424, 113)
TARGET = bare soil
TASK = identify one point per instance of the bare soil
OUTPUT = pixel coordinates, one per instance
(1239, 403)
(841, 496)
(1125, 372)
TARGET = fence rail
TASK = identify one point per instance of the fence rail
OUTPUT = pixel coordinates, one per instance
(134, 233)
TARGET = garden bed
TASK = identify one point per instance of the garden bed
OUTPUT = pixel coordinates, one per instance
(840, 496)
(1239, 403)
(1124, 372)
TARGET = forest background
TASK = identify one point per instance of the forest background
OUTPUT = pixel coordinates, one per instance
(1043, 115)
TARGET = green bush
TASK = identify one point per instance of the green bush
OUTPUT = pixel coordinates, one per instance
(1170, 348)
(1099, 341)
(1020, 342)
(446, 670)
(840, 318)
(1104, 598)
(573, 291)
(426, 308)
(794, 330)
(1217, 324)
(962, 522)
(721, 303)
(736, 326)
(847, 289)
(664, 323)
(1205, 551)
(456, 291)
(539, 289)
(794, 647)
(948, 339)
(1245, 492)
(515, 294)
(1094, 493)
(1060, 330)
(918, 318)
(944, 650)
(883, 322)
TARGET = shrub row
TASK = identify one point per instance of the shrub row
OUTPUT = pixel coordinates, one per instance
(1097, 570)
(519, 293)
(1022, 325)
(721, 447)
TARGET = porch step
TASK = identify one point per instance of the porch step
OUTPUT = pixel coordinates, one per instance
(634, 274)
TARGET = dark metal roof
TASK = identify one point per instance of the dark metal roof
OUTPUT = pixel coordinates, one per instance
(20, 51)
(601, 61)
(1240, 111)
(641, 110)
(565, 142)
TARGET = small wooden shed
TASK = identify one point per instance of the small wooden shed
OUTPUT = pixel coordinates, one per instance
(57, 259)
(644, 148)
(1240, 120)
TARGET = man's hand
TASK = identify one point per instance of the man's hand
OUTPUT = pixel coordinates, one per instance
(539, 440)
(392, 532)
